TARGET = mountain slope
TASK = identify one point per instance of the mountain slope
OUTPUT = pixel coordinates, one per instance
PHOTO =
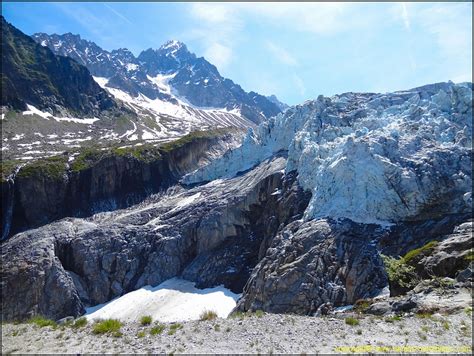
(32, 74)
(192, 79)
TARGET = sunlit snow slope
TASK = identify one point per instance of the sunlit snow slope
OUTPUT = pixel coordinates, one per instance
(173, 300)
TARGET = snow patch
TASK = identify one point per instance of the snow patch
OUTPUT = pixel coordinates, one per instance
(46, 115)
(173, 300)
(131, 66)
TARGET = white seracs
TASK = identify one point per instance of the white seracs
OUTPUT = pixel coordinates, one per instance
(373, 158)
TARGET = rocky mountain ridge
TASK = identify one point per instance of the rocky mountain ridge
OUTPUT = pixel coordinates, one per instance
(192, 79)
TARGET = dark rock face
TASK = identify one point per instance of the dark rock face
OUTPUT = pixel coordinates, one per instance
(231, 262)
(33, 280)
(109, 255)
(409, 235)
(312, 263)
(114, 182)
(33, 74)
(194, 78)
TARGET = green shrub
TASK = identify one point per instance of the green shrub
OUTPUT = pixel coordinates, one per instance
(399, 272)
(361, 305)
(107, 326)
(145, 320)
(8, 167)
(411, 255)
(238, 315)
(141, 334)
(87, 158)
(424, 314)
(42, 322)
(469, 256)
(192, 137)
(352, 321)
(208, 315)
(158, 329)
(80, 323)
(391, 319)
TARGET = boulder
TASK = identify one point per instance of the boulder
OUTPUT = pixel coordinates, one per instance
(379, 308)
(313, 263)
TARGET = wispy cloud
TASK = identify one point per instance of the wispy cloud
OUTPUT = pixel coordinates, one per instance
(217, 28)
(219, 25)
(299, 84)
(117, 13)
(218, 54)
(405, 17)
(281, 54)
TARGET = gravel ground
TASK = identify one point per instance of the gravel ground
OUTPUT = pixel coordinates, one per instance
(270, 333)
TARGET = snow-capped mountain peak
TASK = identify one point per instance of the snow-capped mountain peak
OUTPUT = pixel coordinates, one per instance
(173, 45)
(197, 81)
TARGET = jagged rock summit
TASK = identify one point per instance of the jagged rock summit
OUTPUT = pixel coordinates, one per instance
(170, 73)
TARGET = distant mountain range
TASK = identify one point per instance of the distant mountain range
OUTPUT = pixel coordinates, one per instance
(169, 73)
(61, 92)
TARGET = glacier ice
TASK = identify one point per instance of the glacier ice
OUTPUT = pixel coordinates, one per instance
(372, 158)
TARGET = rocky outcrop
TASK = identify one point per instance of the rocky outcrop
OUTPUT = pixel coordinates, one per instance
(33, 280)
(273, 203)
(448, 257)
(309, 264)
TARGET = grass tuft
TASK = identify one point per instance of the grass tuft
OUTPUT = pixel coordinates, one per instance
(158, 329)
(146, 320)
(107, 326)
(42, 322)
(352, 321)
(208, 315)
(174, 327)
(79, 323)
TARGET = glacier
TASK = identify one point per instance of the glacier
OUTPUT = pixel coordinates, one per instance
(371, 158)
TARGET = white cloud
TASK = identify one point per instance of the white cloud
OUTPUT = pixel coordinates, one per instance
(218, 54)
(319, 18)
(281, 54)
(213, 12)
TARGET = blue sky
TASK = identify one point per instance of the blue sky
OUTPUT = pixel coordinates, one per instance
(294, 50)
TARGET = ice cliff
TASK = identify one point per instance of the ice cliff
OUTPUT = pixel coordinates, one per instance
(372, 158)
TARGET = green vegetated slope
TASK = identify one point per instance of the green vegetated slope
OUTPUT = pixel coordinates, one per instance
(32, 74)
